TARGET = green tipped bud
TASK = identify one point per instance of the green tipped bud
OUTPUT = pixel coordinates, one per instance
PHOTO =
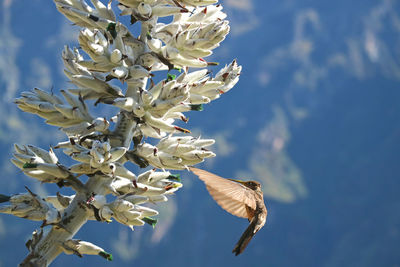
(111, 29)
(198, 107)
(175, 177)
(170, 77)
(148, 35)
(150, 221)
(29, 165)
(106, 255)
(178, 69)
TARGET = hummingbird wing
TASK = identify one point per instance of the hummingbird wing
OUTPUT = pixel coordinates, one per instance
(231, 196)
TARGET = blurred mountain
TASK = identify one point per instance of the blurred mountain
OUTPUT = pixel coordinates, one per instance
(315, 117)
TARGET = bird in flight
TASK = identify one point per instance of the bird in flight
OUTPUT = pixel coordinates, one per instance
(240, 198)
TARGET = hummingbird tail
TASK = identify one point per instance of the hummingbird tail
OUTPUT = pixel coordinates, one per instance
(245, 238)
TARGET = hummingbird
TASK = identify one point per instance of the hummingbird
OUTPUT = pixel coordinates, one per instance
(240, 198)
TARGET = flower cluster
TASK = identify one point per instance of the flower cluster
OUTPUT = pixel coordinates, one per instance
(40, 164)
(176, 152)
(30, 206)
(114, 67)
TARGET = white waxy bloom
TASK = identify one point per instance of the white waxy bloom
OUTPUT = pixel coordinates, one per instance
(120, 72)
(102, 66)
(190, 62)
(97, 49)
(69, 112)
(164, 10)
(134, 199)
(121, 171)
(125, 103)
(167, 104)
(99, 124)
(207, 14)
(146, 97)
(165, 183)
(144, 9)
(116, 56)
(45, 96)
(149, 131)
(106, 213)
(99, 201)
(130, 3)
(33, 155)
(146, 190)
(107, 168)
(166, 88)
(154, 44)
(116, 153)
(192, 77)
(76, 102)
(94, 84)
(144, 177)
(53, 169)
(177, 92)
(202, 142)
(36, 105)
(137, 72)
(168, 159)
(178, 149)
(120, 205)
(28, 159)
(23, 150)
(83, 157)
(76, 16)
(171, 140)
(152, 176)
(103, 10)
(229, 75)
(30, 206)
(198, 2)
(145, 211)
(120, 185)
(78, 129)
(148, 60)
(212, 94)
(159, 198)
(161, 124)
(139, 110)
(198, 99)
(201, 87)
(146, 149)
(129, 218)
(30, 170)
(59, 201)
(80, 248)
(62, 121)
(18, 163)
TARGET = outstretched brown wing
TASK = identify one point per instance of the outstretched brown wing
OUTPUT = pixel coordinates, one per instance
(231, 196)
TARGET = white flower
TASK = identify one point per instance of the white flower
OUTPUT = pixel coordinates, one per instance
(79, 247)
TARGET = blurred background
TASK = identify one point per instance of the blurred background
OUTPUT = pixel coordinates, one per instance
(315, 118)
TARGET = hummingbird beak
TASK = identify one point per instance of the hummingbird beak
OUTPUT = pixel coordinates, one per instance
(237, 181)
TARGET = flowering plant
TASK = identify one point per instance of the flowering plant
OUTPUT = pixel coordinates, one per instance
(118, 69)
